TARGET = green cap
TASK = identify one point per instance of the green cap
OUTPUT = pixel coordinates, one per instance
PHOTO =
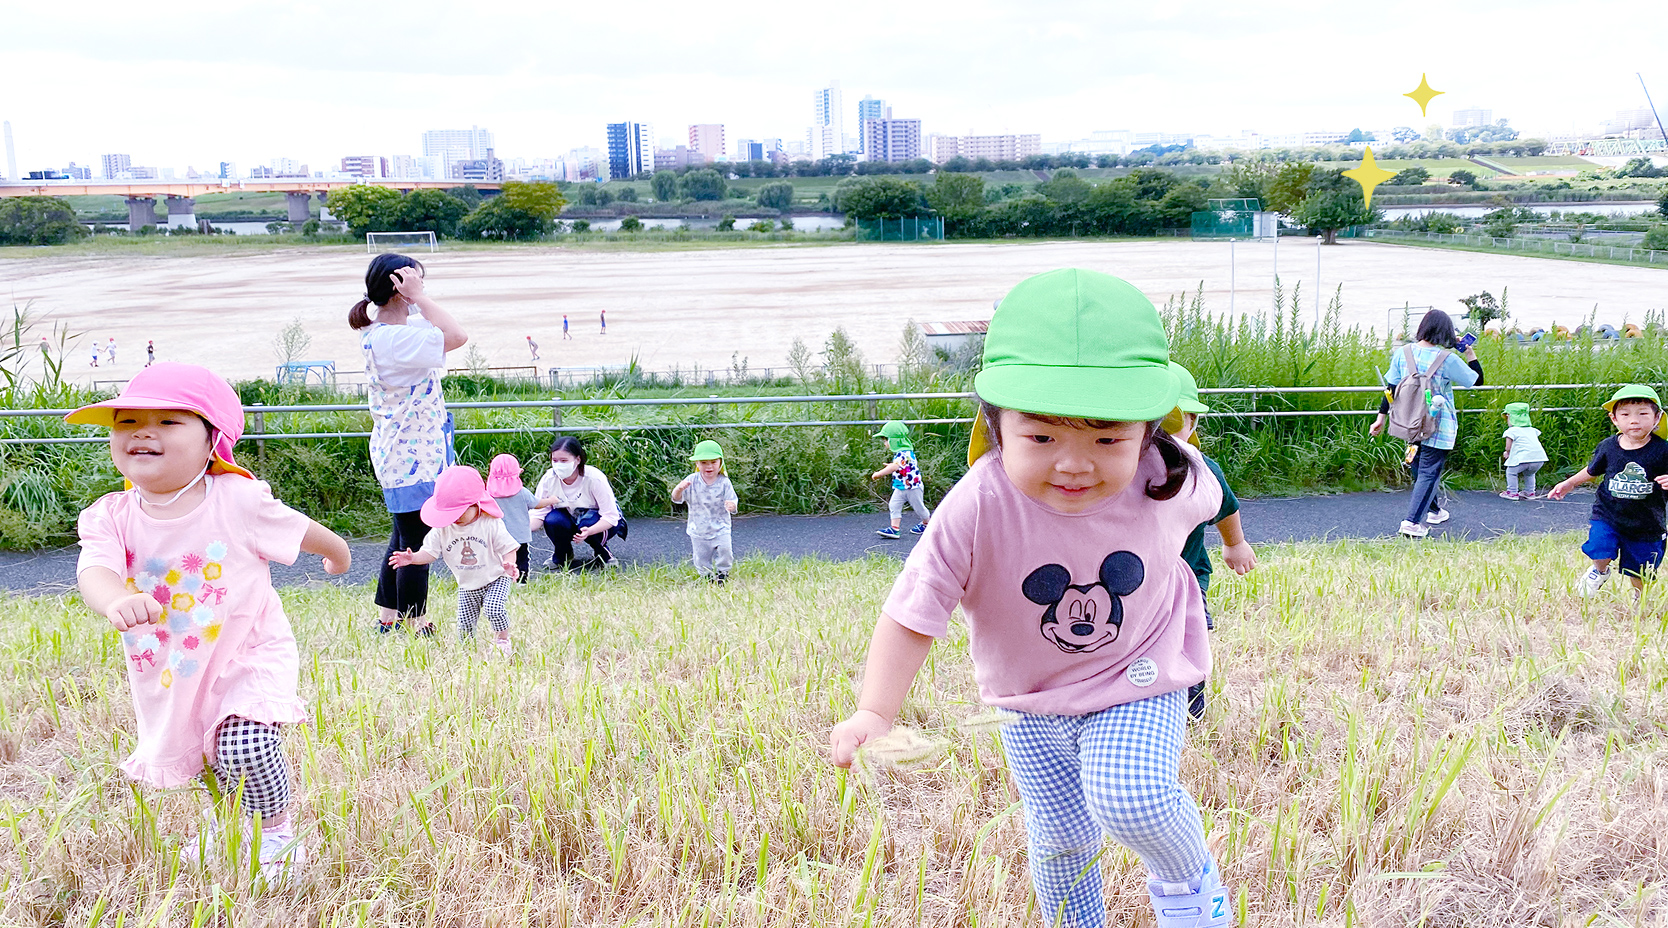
(1632, 391)
(898, 434)
(1188, 401)
(1517, 414)
(1078, 343)
(706, 451)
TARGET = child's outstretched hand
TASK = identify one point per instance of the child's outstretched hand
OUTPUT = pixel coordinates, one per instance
(863, 726)
(730, 504)
(1240, 557)
(401, 559)
(682, 486)
(336, 567)
(134, 610)
(1558, 492)
(877, 475)
(1662, 481)
(511, 571)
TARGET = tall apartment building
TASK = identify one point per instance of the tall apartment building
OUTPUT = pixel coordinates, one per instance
(868, 110)
(993, 147)
(1473, 116)
(461, 144)
(892, 139)
(677, 158)
(365, 166)
(403, 167)
(115, 166)
(630, 149)
(828, 126)
(488, 168)
(583, 164)
(708, 139)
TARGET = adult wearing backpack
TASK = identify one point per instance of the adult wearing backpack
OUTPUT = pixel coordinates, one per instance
(1435, 359)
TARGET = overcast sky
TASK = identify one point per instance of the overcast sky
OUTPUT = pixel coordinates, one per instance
(195, 82)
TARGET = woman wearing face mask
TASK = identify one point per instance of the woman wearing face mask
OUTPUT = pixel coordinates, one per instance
(577, 504)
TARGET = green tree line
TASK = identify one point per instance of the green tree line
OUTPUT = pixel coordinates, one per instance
(521, 211)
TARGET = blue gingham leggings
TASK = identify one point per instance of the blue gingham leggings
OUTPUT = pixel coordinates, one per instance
(1113, 772)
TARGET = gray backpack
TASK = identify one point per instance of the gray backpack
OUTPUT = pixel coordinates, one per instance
(1410, 409)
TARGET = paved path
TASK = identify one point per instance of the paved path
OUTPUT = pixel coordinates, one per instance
(1477, 515)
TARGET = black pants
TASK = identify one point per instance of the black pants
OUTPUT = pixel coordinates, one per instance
(523, 560)
(406, 590)
(562, 524)
(1427, 480)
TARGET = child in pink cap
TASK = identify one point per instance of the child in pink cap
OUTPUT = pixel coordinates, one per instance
(179, 565)
(468, 533)
(517, 503)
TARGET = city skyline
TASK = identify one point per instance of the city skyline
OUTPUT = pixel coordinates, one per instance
(1067, 71)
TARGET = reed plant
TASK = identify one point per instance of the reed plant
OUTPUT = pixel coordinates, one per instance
(1435, 734)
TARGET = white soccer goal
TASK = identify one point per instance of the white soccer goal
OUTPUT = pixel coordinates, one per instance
(378, 242)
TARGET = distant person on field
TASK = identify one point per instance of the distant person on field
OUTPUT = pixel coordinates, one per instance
(577, 503)
(150, 353)
(1433, 352)
(604, 317)
(467, 530)
(565, 334)
(533, 347)
(1062, 545)
(907, 486)
(1183, 423)
(180, 565)
(110, 351)
(46, 346)
(711, 499)
(404, 336)
(517, 503)
(1524, 455)
(94, 361)
(1628, 513)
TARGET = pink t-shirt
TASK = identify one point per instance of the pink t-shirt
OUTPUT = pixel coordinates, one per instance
(224, 645)
(1066, 614)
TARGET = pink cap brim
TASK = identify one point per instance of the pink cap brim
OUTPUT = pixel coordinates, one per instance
(434, 515)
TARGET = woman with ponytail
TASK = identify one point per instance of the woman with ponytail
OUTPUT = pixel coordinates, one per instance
(405, 337)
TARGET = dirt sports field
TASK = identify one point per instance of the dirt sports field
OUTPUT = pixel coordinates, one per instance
(685, 308)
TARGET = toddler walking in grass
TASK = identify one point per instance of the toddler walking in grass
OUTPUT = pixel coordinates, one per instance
(517, 503)
(905, 472)
(178, 563)
(1631, 466)
(1524, 455)
(1183, 423)
(468, 532)
(1062, 545)
(711, 499)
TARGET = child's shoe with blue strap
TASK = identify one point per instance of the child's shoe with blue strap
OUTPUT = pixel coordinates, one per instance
(1179, 905)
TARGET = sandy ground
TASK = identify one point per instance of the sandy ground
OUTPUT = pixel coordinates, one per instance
(678, 309)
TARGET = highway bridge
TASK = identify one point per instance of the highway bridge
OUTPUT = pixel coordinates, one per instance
(180, 196)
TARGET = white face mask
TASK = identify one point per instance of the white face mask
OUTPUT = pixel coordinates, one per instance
(565, 469)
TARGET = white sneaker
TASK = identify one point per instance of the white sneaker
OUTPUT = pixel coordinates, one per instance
(1438, 517)
(1414, 529)
(281, 853)
(1591, 582)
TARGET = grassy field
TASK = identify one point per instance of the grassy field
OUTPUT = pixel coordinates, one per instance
(1660, 262)
(1545, 163)
(1431, 734)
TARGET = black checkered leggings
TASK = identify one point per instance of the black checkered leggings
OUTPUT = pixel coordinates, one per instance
(250, 755)
(494, 598)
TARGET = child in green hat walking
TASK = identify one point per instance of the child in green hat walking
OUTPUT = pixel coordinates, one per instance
(1183, 423)
(1524, 455)
(1629, 512)
(712, 500)
(1062, 545)
(907, 486)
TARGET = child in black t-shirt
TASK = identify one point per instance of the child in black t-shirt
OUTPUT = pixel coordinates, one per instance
(1628, 516)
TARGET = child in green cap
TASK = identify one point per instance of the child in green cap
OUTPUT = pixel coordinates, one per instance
(905, 471)
(1183, 423)
(1524, 455)
(1628, 514)
(712, 500)
(1062, 545)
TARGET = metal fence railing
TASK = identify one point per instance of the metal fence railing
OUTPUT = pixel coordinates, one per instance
(1530, 245)
(258, 425)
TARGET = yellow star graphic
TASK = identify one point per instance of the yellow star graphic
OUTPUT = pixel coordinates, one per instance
(1423, 94)
(1369, 175)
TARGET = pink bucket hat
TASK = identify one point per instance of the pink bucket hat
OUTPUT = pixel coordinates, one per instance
(457, 488)
(167, 385)
(504, 476)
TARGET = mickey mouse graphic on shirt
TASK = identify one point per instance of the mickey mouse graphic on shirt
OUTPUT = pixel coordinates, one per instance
(1084, 618)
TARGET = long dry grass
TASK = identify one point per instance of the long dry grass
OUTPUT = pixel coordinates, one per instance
(1433, 734)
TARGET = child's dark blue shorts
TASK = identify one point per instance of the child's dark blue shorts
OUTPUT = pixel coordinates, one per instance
(1637, 557)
